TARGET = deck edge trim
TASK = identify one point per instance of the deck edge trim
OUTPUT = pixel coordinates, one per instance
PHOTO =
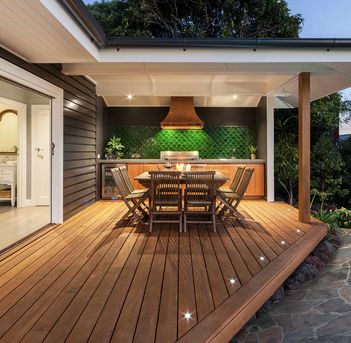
(259, 294)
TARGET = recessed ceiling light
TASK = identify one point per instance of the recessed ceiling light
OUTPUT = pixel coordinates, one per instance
(232, 281)
(235, 96)
(130, 96)
(187, 315)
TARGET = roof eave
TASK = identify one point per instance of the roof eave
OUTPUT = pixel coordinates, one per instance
(232, 43)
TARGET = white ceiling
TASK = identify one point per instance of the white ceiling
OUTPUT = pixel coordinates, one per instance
(211, 84)
(40, 31)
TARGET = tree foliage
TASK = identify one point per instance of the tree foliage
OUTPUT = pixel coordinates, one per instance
(327, 169)
(327, 165)
(197, 18)
(286, 160)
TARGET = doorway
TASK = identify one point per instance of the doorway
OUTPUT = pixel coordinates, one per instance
(25, 162)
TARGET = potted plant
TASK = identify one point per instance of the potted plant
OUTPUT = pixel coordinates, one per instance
(253, 151)
(114, 148)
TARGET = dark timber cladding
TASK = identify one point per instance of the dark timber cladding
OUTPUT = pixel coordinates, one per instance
(79, 132)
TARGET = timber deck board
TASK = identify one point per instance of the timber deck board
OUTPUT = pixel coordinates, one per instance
(95, 279)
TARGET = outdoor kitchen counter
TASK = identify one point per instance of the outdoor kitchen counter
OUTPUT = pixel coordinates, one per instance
(255, 190)
(206, 161)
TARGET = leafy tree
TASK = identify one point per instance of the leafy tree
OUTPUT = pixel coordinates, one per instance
(286, 164)
(197, 18)
(345, 151)
(327, 170)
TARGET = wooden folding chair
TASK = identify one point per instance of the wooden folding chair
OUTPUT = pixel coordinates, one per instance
(223, 191)
(199, 198)
(128, 182)
(133, 201)
(231, 201)
(166, 198)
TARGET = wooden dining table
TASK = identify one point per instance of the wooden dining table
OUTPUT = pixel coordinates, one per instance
(145, 179)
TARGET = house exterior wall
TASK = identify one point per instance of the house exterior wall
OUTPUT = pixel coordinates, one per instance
(79, 132)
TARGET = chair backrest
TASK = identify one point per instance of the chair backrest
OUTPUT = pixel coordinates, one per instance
(121, 185)
(236, 179)
(244, 182)
(124, 171)
(165, 186)
(199, 186)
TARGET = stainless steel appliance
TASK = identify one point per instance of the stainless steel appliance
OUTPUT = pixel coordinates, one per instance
(173, 157)
(180, 156)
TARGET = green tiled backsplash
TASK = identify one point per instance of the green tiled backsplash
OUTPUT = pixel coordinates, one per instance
(211, 142)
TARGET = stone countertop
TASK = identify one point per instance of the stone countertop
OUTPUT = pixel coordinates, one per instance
(206, 161)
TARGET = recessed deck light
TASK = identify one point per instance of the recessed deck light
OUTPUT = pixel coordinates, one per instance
(187, 315)
(262, 258)
(130, 96)
(282, 242)
(298, 230)
(232, 281)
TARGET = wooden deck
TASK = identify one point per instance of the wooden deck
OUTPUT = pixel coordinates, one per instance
(90, 280)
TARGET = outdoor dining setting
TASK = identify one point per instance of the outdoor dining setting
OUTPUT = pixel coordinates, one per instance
(182, 196)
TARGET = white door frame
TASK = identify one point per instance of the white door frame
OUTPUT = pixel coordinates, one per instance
(27, 79)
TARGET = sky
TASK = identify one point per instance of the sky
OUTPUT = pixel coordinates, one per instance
(322, 19)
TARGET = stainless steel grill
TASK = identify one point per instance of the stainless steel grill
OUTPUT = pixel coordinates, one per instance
(179, 156)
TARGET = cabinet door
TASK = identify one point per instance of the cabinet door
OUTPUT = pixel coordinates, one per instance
(135, 169)
(225, 169)
(256, 185)
(151, 167)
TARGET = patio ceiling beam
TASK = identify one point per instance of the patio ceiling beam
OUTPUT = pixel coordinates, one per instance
(304, 133)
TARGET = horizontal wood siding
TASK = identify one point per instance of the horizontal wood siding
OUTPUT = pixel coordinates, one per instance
(79, 132)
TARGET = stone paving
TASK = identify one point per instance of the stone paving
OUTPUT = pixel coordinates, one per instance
(319, 311)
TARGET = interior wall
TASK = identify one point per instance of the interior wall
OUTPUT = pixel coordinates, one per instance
(79, 132)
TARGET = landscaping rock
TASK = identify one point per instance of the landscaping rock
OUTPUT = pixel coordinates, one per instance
(303, 273)
(315, 261)
(318, 312)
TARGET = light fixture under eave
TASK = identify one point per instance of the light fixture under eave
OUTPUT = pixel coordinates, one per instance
(182, 115)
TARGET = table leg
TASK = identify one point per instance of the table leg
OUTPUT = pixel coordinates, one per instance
(13, 195)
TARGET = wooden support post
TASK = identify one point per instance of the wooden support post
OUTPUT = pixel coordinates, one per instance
(304, 147)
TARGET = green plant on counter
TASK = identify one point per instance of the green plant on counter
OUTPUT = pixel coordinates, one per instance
(252, 149)
(114, 147)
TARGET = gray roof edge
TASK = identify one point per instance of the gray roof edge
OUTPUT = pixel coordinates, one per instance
(81, 14)
(254, 43)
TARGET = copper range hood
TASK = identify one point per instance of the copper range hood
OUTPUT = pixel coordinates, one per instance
(182, 115)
